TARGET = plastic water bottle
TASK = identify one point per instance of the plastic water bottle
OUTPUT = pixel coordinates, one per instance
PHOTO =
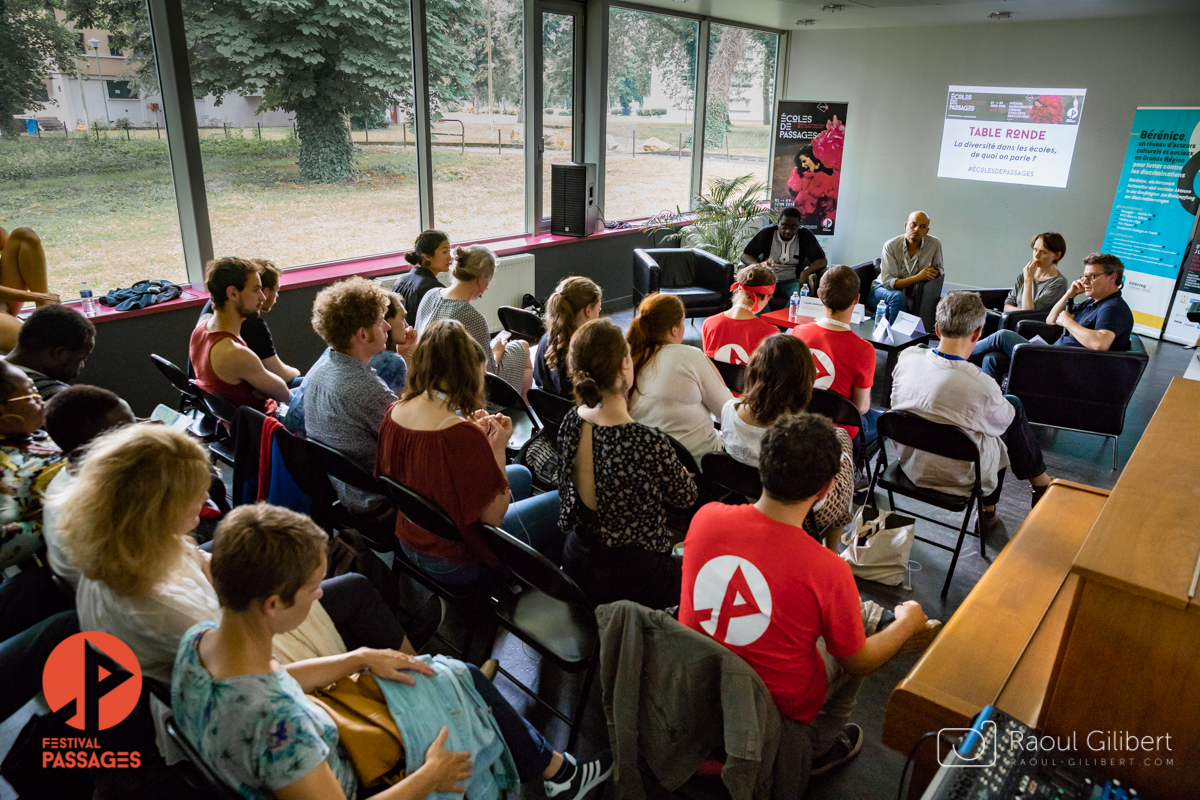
(794, 307)
(804, 291)
(88, 302)
(880, 315)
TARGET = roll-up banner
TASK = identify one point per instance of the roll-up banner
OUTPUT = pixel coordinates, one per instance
(1154, 213)
(807, 173)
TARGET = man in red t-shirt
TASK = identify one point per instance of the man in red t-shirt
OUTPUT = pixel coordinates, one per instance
(845, 361)
(733, 335)
(756, 582)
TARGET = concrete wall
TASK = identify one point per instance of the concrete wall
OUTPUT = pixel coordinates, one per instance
(896, 80)
(121, 360)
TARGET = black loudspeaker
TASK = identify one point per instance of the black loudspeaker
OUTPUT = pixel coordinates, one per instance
(573, 210)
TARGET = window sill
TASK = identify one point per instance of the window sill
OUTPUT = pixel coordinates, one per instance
(366, 266)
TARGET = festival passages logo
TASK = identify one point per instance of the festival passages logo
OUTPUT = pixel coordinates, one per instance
(92, 681)
(737, 599)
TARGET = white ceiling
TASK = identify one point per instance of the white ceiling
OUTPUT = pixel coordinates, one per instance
(899, 13)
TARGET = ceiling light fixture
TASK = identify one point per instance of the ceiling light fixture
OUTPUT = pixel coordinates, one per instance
(806, 22)
(833, 7)
(1000, 15)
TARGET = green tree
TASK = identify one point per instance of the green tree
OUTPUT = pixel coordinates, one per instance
(640, 42)
(558, 55)
(726, 45)
(318, 59)
(32, 45)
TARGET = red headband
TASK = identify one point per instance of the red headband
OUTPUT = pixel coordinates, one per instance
(766, 291)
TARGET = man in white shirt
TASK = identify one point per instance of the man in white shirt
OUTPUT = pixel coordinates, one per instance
(942, 386)
(911, 271)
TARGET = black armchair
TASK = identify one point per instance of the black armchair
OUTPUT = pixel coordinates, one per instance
(1074, 388)
(867, 272)
(1008, 320)
(699, 279)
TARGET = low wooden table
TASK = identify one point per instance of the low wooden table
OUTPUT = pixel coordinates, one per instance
(892, 349)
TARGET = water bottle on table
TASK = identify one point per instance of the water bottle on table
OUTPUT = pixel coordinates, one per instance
(803, 291)
(87, 301)
(794, 307)
(880, 315)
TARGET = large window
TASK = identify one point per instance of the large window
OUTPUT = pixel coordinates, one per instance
(558, 95)
(651, 107)
(741, 101)
(101, 200)
(304, 165)
(476, 81)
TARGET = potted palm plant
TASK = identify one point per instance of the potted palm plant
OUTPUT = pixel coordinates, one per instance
(726, 216)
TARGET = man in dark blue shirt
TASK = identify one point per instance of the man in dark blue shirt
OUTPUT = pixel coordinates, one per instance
(1103, 322)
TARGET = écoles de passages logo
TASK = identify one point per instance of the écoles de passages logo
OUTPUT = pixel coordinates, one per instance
(92, 681)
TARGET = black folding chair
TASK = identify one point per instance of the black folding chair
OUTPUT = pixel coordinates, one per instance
(426, 515)
(732, 476)
(841, 411)
(947, 441)
(525, 422)
(550, 613)
(550, 410)
(380, 533)
(523, 325)
(734, 375)
(199, 775)
(204, 425)
(224, 411)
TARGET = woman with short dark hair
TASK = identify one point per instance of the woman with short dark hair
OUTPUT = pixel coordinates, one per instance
(1040, 285)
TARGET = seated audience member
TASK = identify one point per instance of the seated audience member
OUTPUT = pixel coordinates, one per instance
(942, 386)
(431, 257)
(224, 364)
(1040, 285)
(143, 579)
(675, 387)
(344, 399)
(779, 382)
(439, 442)
(909, 261)
(1104, 322)
(473, 272)
(389, 364)
(249, 717)
(27, 465)
(52, 346)
(754, 581)
(615, 477)
(575, 301)
(75, 417)
(35, 617)
(789, 249)
(845, 361)
(255, 332)
(22, 280)
(732, 335)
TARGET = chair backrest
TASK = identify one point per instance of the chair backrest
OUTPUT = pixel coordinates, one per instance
(866, 273)
(734, 375)
(993, 298)
(941, 439)
(1011, 319)
(533, 569)
(339, 466)
(839, 409)
(676, 267)
(219, 407)
(521, 324)
(174, 374)
(420, 511)
(525, 422)
(549, 407)
(685, 455)
(1071, 387)
(732, 475)
(216, 785)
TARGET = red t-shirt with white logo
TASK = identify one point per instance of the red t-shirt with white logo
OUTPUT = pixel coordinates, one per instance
(733, 340)
(844, 360)
(767, 591)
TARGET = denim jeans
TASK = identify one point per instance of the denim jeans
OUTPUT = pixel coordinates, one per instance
(841, 695)
(1024, 453)
(893, 299)
(993, 354)
(530, 750)
(870, 421)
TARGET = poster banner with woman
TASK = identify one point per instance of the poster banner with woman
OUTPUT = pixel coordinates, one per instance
(809, 137)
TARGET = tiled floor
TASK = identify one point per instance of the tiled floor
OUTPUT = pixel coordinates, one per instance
(875, 772)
